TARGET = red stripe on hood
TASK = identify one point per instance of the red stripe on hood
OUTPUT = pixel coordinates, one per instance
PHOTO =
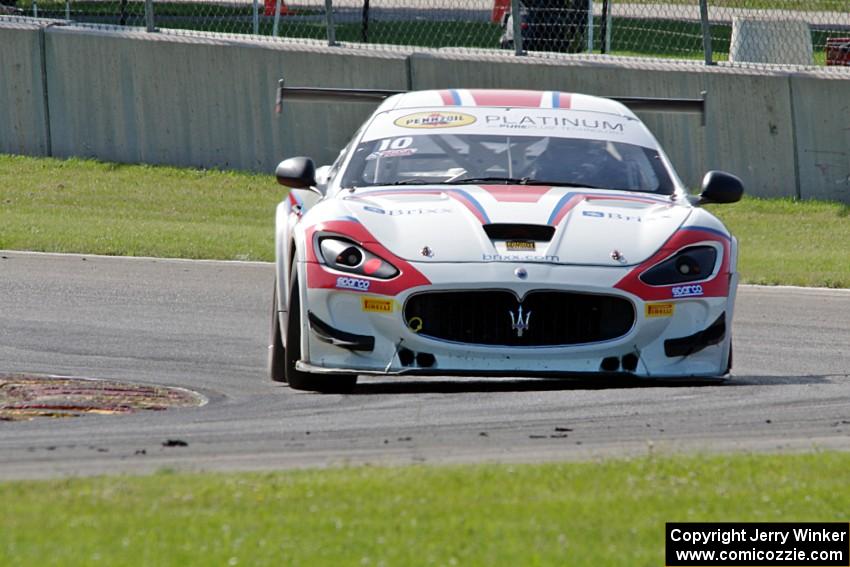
(458, 196)
(516, 193)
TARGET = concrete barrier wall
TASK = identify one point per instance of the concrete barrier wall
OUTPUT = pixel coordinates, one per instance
(23, 124)
(822, 125)
(208, 102)
(157, 98)
(750, 133)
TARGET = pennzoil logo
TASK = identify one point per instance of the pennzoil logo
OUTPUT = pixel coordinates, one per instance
(659, 309)
(523, 245)
(436, 119)
(377, 305)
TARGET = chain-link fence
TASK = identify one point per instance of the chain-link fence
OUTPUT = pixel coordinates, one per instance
(745, 32)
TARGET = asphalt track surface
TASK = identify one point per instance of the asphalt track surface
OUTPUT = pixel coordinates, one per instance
(203, 326)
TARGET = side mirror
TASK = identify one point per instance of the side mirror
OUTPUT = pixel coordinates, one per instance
(721, 187)
(297, 172)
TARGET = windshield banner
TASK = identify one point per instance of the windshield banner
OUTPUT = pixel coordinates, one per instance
(510, 122)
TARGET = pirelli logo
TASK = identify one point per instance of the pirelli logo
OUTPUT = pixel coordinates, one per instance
(659, 310)
(377, 305)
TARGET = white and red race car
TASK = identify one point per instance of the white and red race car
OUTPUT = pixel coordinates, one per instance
(496, 232)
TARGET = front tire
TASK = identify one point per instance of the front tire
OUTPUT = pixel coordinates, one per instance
(277, 353)
(298, 380)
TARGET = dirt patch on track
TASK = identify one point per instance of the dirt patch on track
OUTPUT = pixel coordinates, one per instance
(25, 396)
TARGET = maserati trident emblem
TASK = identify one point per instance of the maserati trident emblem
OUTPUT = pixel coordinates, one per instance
(519, 324)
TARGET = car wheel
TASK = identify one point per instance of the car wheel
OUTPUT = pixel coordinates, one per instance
(297, 379)
(277, 354)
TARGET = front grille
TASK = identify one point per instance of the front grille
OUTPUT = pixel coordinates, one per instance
(484, 317)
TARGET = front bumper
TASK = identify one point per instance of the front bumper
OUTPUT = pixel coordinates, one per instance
(641, 351)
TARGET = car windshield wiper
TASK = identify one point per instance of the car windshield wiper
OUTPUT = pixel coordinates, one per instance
(412, 182)
(519, 181)
(505, 180)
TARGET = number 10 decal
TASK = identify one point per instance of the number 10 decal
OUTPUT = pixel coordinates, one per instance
(395, 144)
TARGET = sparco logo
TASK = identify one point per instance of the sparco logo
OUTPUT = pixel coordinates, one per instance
(687, 291)
(352, 283)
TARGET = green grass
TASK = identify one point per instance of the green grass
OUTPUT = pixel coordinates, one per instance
(790, 242)
(430, 34)
(136, 210)
(604, 513)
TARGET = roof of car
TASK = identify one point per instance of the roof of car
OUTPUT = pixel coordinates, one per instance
(505, 98)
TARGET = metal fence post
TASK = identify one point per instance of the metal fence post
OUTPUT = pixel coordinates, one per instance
(329, 18)
(256, 15)
(68, 10)
(276, 18)
(590, 26)
(516, 18)
(706, 32)
(34, 8)
(604, 27)
(364, 22)
(149, 16)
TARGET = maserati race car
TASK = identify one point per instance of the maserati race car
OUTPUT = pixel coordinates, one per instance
(496, 232)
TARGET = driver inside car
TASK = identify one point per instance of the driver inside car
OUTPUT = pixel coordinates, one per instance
(579, 161)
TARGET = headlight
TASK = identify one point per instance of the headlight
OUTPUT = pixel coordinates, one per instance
(346, 256)
(688, 265)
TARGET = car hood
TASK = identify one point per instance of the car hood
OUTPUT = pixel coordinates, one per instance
(591, 227)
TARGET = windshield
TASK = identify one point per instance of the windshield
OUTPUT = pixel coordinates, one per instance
(459, 158)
